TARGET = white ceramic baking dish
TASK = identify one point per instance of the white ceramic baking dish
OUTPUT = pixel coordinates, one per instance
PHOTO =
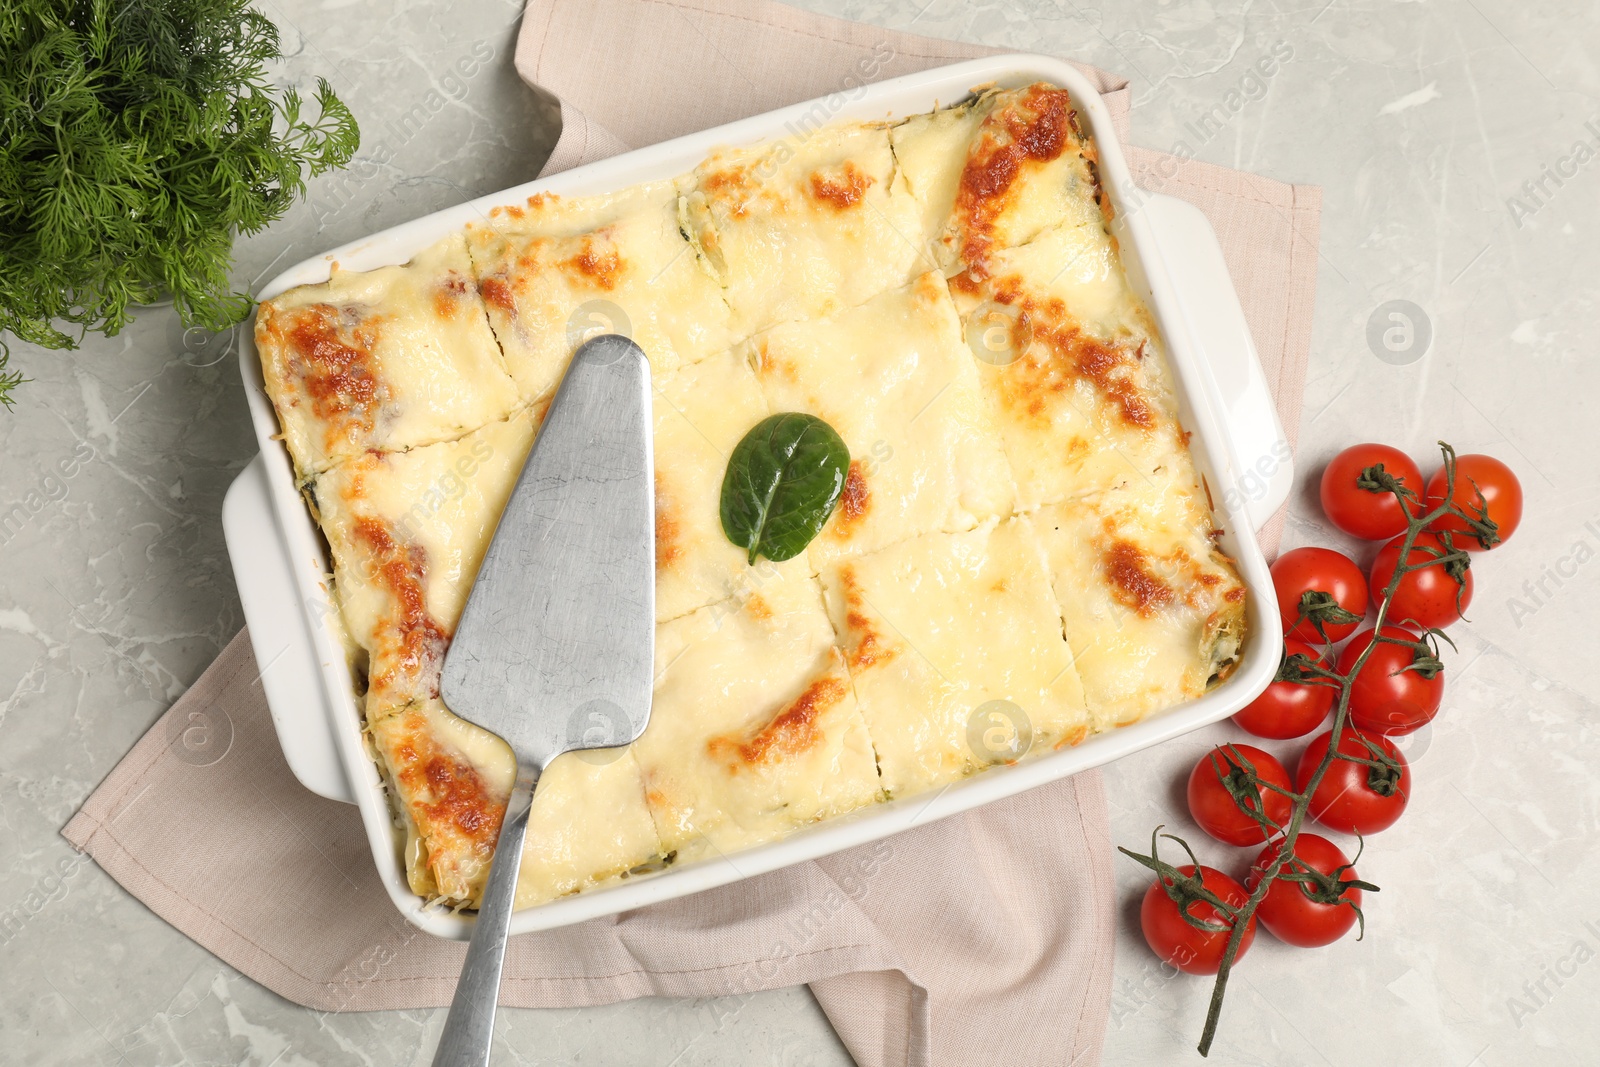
(1172, 258)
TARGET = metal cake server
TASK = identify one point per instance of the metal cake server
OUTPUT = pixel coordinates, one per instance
(556, 646)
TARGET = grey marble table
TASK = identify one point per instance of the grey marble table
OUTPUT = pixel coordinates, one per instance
(1445, 135)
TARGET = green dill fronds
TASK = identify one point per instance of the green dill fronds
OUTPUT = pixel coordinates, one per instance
(138, 138)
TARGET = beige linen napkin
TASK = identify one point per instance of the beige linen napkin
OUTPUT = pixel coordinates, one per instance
(922, 949)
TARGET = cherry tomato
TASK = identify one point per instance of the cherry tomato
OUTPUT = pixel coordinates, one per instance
(1426, 597)
(1304, 570)
(1288, 709)
(1390, 695)
(1192, 950)
(1291, 910)
(1213, 807)
(1502, 495)
(1375, 516)
(1352, 797)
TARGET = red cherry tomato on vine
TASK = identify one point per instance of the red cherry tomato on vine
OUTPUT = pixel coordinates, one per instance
(1426, 597)
(1375, 516)
(1303, 570)
(1502, 495)
(1288, 709)
(1392, 694)
(1353, 797)
(1291, 911)
(1213, 807)
(1192, 950)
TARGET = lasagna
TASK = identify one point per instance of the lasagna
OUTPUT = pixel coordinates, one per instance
(1022, 555)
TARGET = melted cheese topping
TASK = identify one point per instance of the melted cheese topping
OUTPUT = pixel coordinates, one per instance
(408, 531)
(1071, 364)
(803, 227)
(1022, 552)
(895, 379)
(1026, 168)
(949, 638)
(754, 729)
(701, 413)
(588, 824)
(1153, 610)
(384, 360)
(628, 270)
(931, 151)
(1077, 378)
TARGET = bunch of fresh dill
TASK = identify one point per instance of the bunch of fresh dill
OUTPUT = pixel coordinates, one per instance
(137, 139)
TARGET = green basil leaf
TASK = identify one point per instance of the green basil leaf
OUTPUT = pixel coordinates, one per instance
(782, 483)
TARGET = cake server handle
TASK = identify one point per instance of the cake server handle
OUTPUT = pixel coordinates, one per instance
(469, 1028)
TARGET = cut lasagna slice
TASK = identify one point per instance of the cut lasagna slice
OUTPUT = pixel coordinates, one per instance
(1072, 368)
(998, 171)
(930, 153)
(894, 377)
(754, 729)
(1074, 266)
(803, 227)
(701, 412)
(626, 269)
(588, 824)
(955, 650)
(1154, 611)
(382, 360)
(408, 531)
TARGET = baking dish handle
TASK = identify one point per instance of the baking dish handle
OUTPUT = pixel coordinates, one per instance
(285, 654)
(1199, 274)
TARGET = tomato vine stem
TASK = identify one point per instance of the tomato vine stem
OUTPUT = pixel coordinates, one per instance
(1286, 861)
